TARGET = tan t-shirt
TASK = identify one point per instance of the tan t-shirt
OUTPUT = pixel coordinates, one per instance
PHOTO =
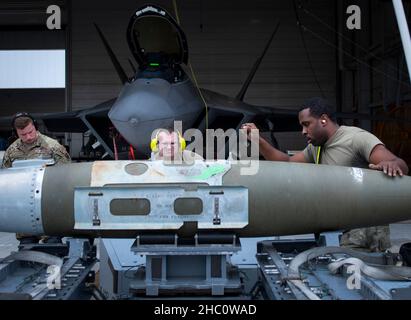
(349, 147)
(188, 156)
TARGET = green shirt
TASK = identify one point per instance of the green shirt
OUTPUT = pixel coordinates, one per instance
(349, 147)
(43, 148)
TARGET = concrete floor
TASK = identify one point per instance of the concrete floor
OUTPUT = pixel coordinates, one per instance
(400, 233)
(8, 243)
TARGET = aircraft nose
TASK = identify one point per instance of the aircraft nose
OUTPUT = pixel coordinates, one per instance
(147, 104)
(141, 108)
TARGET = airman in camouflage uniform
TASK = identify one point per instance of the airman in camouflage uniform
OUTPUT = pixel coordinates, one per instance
(31, 144)
(375, 239)
(43, 148)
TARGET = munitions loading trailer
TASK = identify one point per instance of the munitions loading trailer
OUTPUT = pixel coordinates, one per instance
(261, 266)
(144, 269)
(49, 272)
(211, 262)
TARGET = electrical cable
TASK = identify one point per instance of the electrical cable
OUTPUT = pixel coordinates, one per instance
(115, 148)
(353, 57)
(130, 268)
(346, 38)
(192, 71)
(132, 156)
(329, 43)
(300, 25)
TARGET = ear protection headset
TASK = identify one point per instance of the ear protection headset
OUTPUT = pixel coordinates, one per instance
(22, 115)
(154, 142)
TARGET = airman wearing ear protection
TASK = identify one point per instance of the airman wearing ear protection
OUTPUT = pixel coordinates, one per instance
(170, 145)
(165, 135)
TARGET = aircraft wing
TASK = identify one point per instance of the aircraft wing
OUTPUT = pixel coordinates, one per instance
(221, 107)
(76, 121)
(281, 119)
(93, 120)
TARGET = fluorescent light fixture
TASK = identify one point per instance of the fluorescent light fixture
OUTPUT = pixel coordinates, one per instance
(32, 69)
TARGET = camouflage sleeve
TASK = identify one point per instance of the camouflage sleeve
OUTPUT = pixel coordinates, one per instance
(6, 160)
(60, 154)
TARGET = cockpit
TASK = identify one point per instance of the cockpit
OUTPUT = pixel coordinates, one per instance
(158, 44)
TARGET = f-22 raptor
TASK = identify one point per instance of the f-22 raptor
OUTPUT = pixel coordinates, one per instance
(160, 92)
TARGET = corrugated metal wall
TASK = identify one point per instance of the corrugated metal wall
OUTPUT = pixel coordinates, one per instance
(22, 27)
(225, 38)
(390, 80)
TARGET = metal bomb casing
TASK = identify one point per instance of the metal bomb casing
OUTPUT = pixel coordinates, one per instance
(125, 198)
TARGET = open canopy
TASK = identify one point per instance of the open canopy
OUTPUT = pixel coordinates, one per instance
(155, 38)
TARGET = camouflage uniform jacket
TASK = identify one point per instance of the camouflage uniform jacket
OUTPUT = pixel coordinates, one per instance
(43, 148)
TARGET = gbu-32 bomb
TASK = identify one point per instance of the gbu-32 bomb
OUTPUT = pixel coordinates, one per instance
(126, 198)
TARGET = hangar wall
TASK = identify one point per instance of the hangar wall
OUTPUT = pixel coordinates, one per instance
(225, 38)
(372, 62)
(23, 27)
(392, 83)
